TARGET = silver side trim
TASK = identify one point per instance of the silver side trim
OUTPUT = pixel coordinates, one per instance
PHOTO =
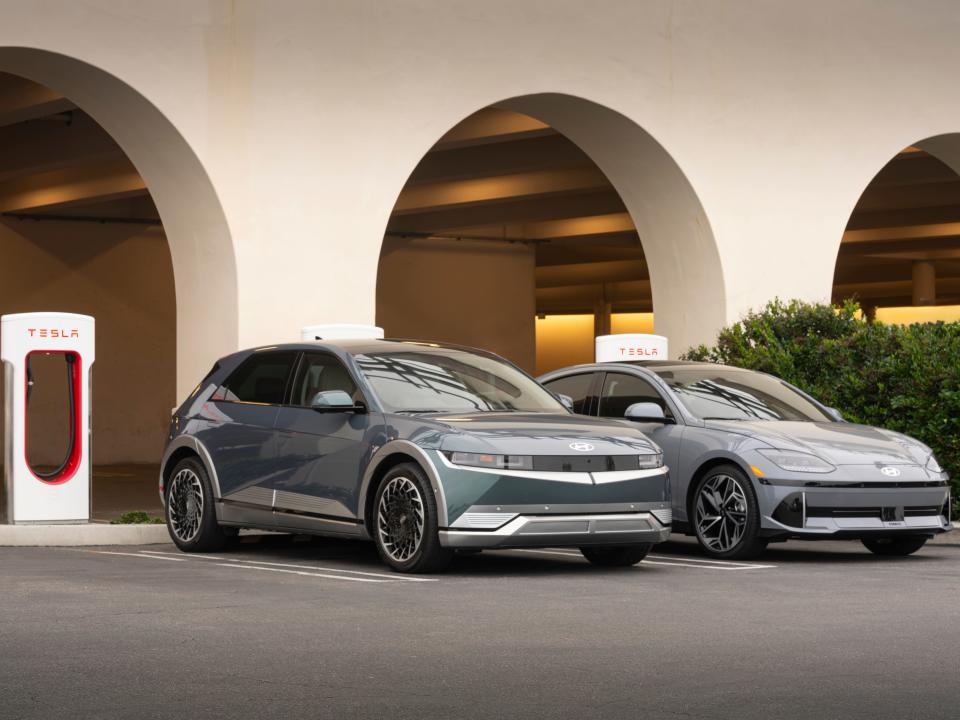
(418, 453)
(298, 502)
(253, 495)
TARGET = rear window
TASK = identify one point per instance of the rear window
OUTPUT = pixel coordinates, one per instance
(261, 378)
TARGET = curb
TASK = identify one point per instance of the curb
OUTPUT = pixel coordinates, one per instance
(82, 534)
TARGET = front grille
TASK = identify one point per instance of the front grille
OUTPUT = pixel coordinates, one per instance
(585, 463)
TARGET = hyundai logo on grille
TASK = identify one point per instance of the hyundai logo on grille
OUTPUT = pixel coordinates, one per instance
(890, 471)
(583, 447)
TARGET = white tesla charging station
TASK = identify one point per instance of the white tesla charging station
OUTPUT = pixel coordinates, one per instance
(631, 346)
(49, 495)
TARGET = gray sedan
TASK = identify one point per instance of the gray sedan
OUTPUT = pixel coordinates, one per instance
(755, 460)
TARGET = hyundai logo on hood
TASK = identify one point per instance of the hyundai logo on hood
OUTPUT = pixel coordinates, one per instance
(890, 471)
(586, 447)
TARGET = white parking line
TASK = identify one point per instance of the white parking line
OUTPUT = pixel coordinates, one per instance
(707, 567)
(695, 563)
(706, 561)
(239, 566)
(388, 576)
(136, 555)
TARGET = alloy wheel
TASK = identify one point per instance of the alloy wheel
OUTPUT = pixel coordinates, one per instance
(721, 512)
(400, 519)
(185, 505)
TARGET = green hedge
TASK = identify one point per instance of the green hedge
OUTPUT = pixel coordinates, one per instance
(905, 378)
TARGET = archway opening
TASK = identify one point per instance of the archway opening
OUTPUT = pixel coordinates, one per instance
(900, 253)
(105, 211)
(538, 223)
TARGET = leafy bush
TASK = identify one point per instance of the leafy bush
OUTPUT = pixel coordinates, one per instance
(905, 378)
(137, 517)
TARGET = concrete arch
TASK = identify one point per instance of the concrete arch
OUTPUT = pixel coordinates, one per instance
(202, 250)
(905, 225)
(686, 273)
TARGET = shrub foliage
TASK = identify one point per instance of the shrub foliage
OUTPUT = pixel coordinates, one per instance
(905, 378)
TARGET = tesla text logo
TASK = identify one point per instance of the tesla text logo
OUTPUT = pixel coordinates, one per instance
(639, 352)
(53, 333)
(890, 471)
(581, 447)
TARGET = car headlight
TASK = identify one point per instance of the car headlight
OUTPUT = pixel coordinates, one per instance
(493, 462)
(649, 462)
(933, 465)
(796, 461)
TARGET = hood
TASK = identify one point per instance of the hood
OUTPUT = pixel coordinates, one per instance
(837, 443)
(513, 433)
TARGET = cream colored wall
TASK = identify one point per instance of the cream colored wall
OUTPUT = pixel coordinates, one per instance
(479, 294)
(121, 275)
(307, 118)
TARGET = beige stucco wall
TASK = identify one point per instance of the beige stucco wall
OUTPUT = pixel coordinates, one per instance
(476, 294)
(122, 276)
(307, 117)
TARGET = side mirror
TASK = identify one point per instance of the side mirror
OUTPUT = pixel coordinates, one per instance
(645, 412)
(566, 401)
(335, 401)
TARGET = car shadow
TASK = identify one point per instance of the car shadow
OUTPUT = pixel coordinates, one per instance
(362, 556)
(799, 552)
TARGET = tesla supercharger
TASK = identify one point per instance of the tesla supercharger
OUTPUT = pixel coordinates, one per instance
(631, 346)
(50, 493)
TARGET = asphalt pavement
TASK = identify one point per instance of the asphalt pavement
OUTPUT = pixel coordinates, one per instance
(321, 629)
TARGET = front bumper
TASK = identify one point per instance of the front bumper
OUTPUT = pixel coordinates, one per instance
(854, 512)
(564, 530)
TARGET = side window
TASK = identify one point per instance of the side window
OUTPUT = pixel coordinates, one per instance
(320, 372)
(261, 378)
(576, 387)
(620, 391)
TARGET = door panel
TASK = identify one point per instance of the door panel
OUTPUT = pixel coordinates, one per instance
(241, 436)
(321, 455)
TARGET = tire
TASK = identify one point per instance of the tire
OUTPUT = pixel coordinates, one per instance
(894, 546)
(726, 515)
(616, 555)
(405, 522)
(187, 487)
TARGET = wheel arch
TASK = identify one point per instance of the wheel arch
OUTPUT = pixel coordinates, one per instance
(182, 447)
(705, 467)
(387, 457)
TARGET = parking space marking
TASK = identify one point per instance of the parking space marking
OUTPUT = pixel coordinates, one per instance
(386, 576)
(695, 563)
(137, 555)
(239, 566)
(724, 564)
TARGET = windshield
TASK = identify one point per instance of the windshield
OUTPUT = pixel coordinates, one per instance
(719, 393)
(449, 380)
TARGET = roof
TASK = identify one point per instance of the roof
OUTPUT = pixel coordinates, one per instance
(355, 346)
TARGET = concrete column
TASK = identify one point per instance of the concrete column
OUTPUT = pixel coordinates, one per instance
(924, 282)
(601, 317)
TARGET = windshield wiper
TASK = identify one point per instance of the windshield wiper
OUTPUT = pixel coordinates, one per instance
(727, 418)
(418, 412)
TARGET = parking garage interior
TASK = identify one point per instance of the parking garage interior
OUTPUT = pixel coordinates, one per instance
(900, 256)
(79, 232)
